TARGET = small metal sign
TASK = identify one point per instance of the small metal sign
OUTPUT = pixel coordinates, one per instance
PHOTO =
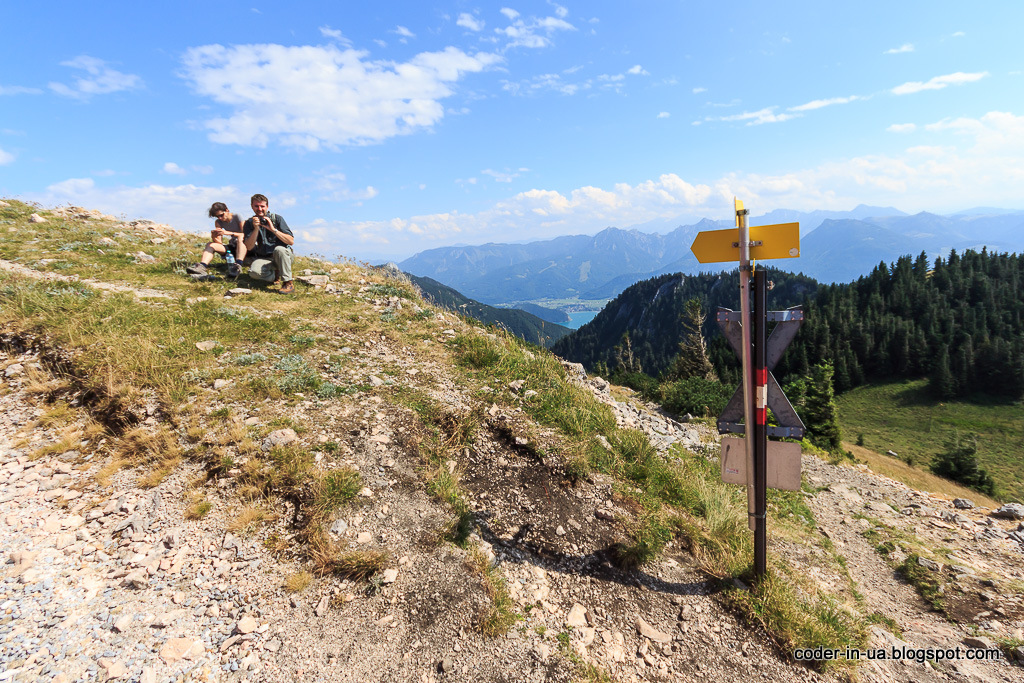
(783, 470)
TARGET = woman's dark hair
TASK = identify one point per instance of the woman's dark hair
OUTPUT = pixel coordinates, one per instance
(217, 208)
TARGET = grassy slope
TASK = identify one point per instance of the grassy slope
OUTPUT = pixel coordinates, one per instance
(902, 417)
(310, 348)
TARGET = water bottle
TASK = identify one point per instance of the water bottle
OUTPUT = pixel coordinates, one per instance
(229, 257)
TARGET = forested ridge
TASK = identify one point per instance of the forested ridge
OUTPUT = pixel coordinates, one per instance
(650, 313)
(520, 323)
(958, 321)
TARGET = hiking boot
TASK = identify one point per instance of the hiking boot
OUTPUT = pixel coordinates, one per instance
(234, 270)
(287, 287)
(196, 269)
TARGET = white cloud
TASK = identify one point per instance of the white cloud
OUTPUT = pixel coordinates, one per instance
(335, 35)
(697, 91)
(638, 71)
(818, 104)
(959, 34)
(755, 118)
(404, 32)
(532, 214)
(174, 169)
(938, 83)
(311, 97)
(101, 79)
(6, 158)
(467, 20)
(18, 90)
(960, 161)
(997, 133)
(505, 176)
(545, 82)
(562, 12)
(986, 170)
(902, 128)
(663, 115)
(334, 187)
(528, 32)
(906, 47)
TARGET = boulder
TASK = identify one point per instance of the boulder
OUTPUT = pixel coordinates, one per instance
(1010, 511)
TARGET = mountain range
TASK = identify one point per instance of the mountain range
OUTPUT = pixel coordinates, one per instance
(836, 246)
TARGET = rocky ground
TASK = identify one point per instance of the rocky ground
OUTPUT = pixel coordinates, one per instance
(108, 579)
(112, 582)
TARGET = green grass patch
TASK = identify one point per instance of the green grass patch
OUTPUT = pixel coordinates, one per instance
(501, 615)
(904, 418)
(121, 343)
(333, 489)
(796, 617)
(923, 580)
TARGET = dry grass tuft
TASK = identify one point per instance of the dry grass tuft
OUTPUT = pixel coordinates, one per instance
(107, 472)
(248, 520)
(297, 582)
(37, 382)
(199, 508)
(157, 448)
(69, 438)
(360, 564)
(59, 414)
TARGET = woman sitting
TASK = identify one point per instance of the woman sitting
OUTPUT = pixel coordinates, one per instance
(226, 224)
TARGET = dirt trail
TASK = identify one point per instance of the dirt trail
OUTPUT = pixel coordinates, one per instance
(851, 503)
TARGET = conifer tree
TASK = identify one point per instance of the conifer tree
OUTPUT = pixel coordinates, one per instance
(959, 462)
(942, 383)
(820, 414)
(692, 360)
(625, 358)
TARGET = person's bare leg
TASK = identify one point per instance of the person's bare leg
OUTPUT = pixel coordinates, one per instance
(211, 249)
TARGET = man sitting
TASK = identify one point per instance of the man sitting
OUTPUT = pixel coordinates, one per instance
(270, 240)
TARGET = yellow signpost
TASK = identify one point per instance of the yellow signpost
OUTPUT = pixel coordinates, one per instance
(781, 240)
(746, 460)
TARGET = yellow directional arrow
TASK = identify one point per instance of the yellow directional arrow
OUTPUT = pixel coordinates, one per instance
(781, 240)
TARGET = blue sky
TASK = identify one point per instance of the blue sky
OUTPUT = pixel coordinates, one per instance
(383, 130)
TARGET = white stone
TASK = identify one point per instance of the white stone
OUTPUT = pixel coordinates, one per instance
(651, 633)
(577, 616)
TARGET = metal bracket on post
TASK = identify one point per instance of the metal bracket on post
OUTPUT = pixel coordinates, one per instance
(790, 425)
